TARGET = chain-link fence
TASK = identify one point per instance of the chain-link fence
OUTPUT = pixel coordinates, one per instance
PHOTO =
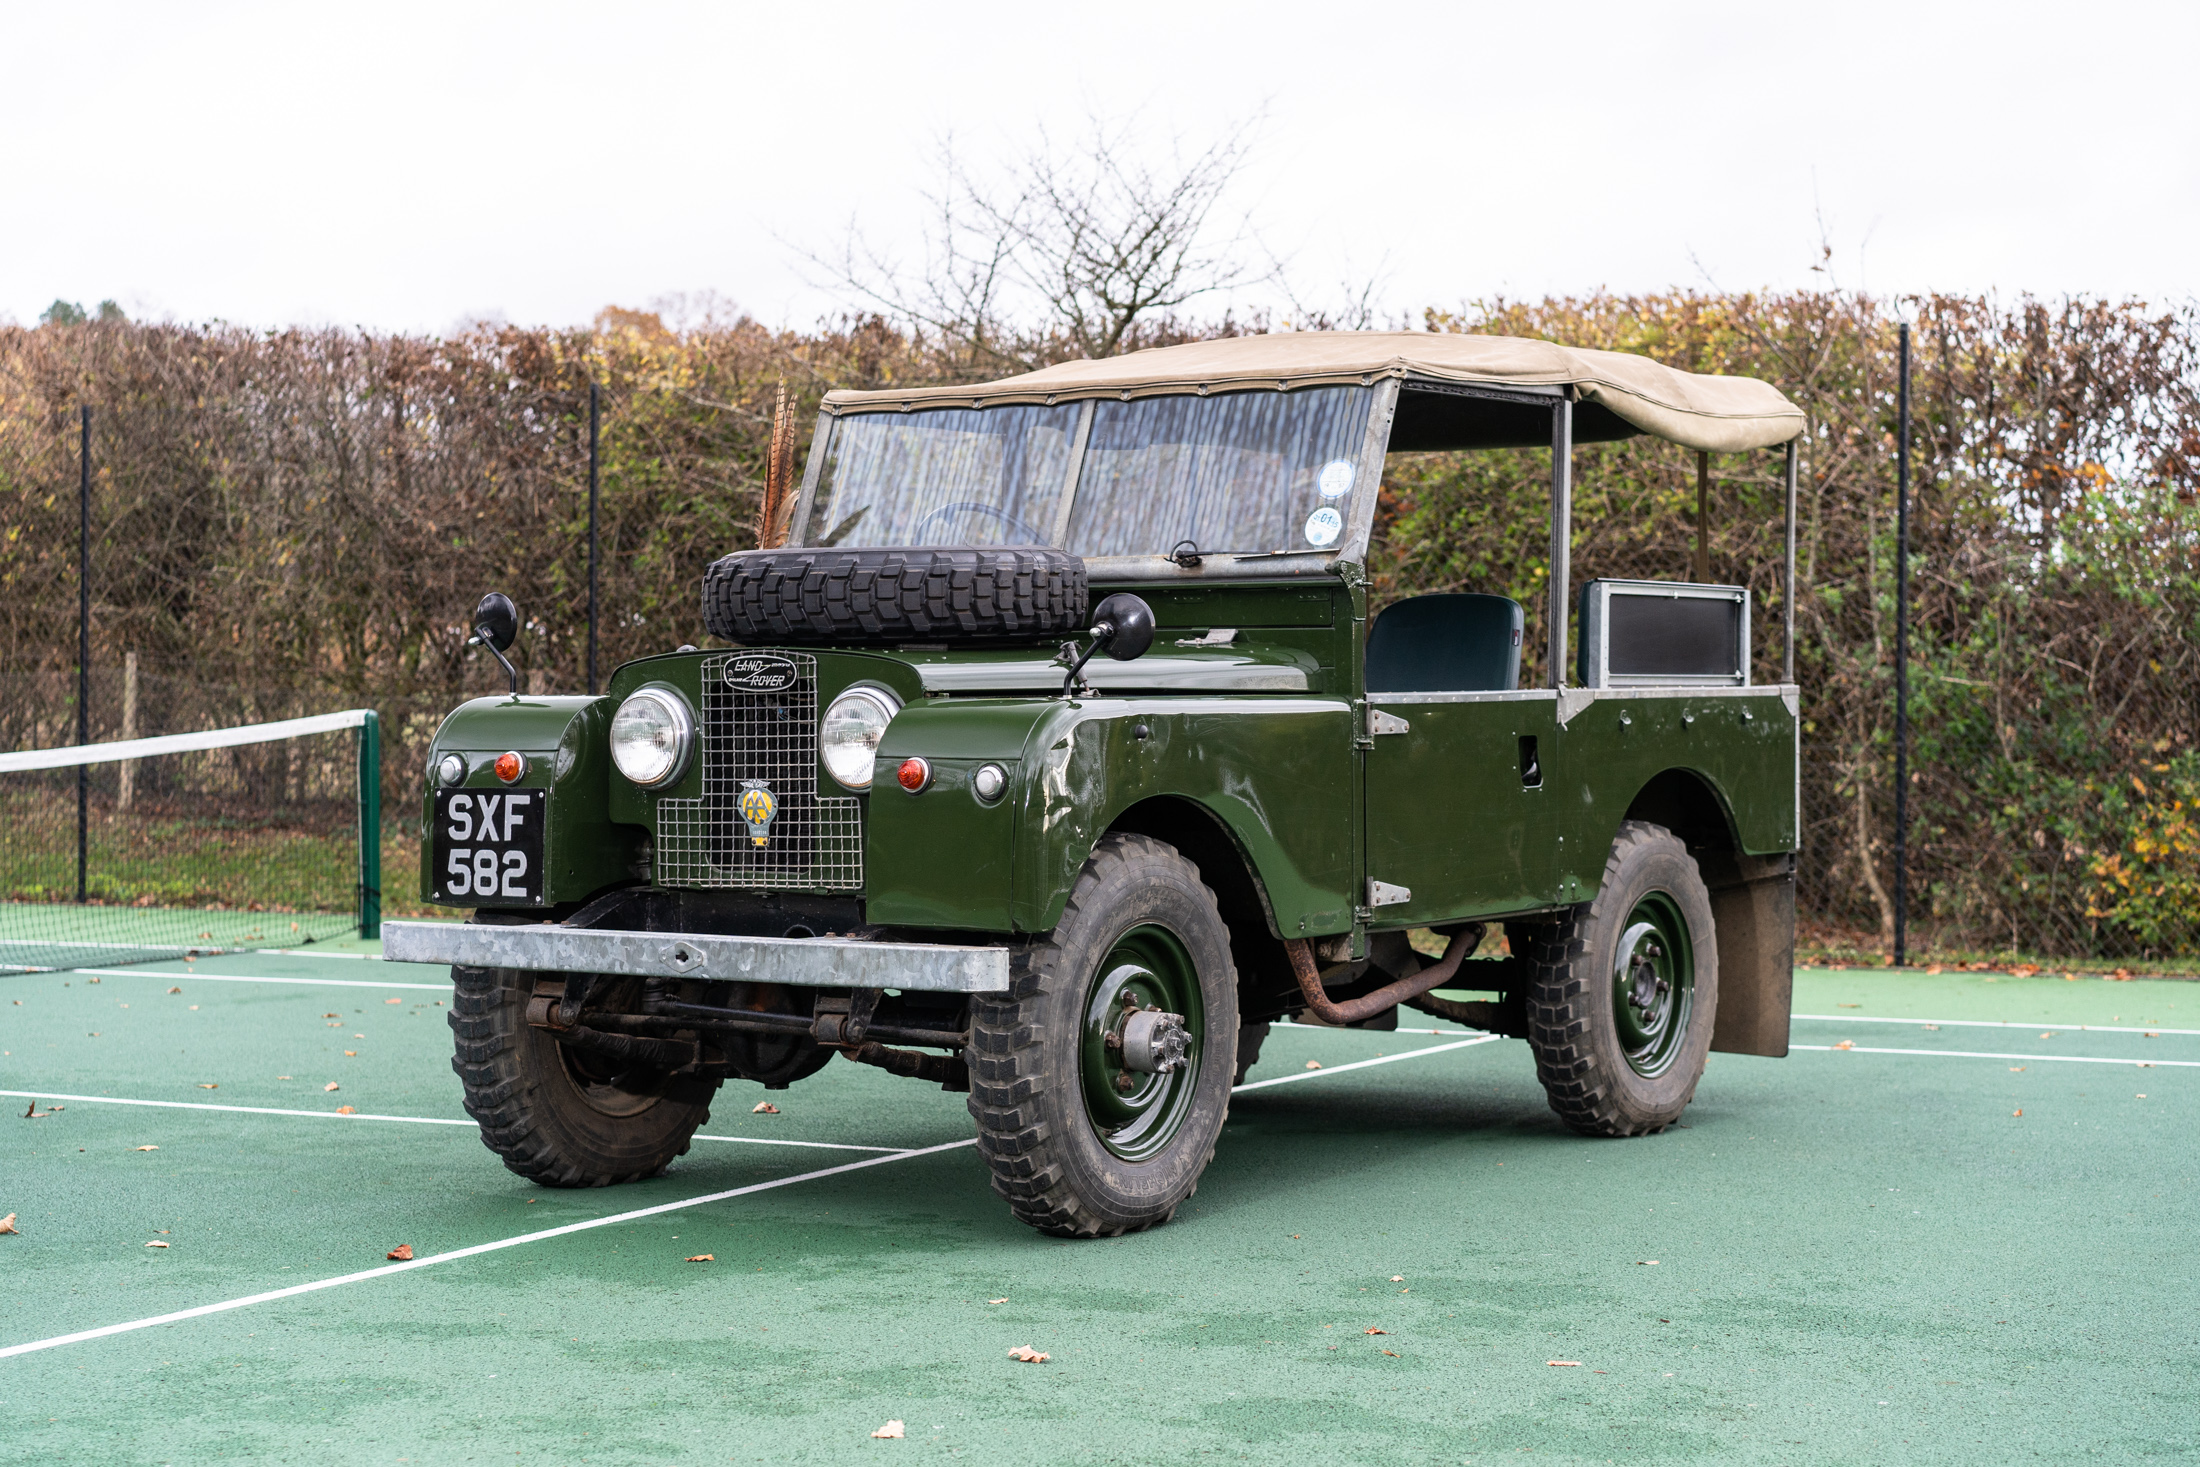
(299, 522)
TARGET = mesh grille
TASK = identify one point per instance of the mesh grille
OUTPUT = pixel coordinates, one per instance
(815, 842)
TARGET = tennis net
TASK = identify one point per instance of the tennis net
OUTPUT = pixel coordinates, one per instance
(266, 835)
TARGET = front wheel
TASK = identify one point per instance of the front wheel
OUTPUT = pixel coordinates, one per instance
(1100, 1083)
(559, 1116)
(1624, 991)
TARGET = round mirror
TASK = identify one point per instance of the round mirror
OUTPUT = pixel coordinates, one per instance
(1127, 623)
(497, 619)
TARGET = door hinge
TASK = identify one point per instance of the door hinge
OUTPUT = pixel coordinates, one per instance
(1380, 723)
(1383, 894)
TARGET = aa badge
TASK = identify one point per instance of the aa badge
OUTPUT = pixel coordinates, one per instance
(757, 809)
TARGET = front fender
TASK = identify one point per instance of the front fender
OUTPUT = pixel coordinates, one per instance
(1276, 771)
(565, 741)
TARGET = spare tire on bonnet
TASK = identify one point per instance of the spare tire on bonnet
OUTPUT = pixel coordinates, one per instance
(895, 594)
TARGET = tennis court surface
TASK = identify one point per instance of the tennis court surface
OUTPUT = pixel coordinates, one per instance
(1953, 1243)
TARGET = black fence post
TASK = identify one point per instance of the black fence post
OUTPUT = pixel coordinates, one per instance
(594, 416)
(1902, 659)
(83, 643)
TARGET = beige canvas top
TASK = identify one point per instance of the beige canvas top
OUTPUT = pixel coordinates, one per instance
(1715, 414)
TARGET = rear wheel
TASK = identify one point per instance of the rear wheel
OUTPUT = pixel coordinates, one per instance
(1624, 991)
(1101, 1083)
(561, 1116)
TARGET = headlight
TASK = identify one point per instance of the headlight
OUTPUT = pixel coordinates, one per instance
(651, 735)
(848, 738)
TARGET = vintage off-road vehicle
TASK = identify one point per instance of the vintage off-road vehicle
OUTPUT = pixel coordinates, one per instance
(906, 814)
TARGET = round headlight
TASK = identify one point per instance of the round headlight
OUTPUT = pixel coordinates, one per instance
(651, 735)
(848, 738)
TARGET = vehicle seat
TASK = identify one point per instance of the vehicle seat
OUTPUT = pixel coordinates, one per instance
(1455, 643)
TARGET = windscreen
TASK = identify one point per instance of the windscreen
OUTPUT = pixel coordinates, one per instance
(947, 476)
(1239, 472)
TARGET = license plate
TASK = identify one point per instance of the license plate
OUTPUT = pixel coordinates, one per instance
(486, 849)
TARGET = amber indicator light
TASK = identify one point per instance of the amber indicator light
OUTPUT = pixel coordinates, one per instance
(914, 775)
(510, 765)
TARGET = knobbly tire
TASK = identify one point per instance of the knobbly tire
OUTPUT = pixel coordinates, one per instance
(1076, 1148)
(559, 1116)
(1624, 990)
(884, 596)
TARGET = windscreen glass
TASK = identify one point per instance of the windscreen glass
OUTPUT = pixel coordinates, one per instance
(1242, 472)
(949, 476)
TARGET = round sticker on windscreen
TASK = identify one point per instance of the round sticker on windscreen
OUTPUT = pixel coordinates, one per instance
(1323, 527)
(1335, 479)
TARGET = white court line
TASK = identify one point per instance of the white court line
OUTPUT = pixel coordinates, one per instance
(1998, 1024)
(1378, 1033)
(664, 1207)
(457, 1253)
(2067, 1059)
(330, 1115)
(1385, 1059)
(242, 978)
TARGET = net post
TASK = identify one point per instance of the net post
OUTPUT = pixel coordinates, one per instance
(83, 644)
(370, 826)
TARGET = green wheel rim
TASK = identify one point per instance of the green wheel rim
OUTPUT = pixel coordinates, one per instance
(1653, 984)
(1137, 1117)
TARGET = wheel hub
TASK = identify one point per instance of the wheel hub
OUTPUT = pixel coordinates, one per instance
(1653, 984)
(1141, 1042)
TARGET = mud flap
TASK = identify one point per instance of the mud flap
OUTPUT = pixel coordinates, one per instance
(1753, 910)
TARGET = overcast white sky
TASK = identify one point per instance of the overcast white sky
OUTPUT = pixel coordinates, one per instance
(409, 165)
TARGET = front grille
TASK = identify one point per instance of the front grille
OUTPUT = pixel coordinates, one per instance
(816, 841)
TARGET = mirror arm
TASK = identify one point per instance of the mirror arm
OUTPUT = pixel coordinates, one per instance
(1101, 636)
(480, 638)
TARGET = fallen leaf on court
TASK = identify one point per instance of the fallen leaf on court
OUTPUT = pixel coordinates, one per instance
(2151, 1034)
(282, 1077)
(175, 990)
(332, 1016)
(2016, 1112)
(403, 1253)
(1393, 1354)
(331, 1085)
(704, 1258)
(1646, 1263)
(996, 1301)
(2146, 1064)
(2016, 1069)
(2047, 1034)
(764, 1108)
(1562, 1362)
(1397, 1278)
(1313, 1064)
(347, 1110)
(2139, 1097)
(1934, 1027)
(393, 1000)
(7, 1224)
(204, 1085)
(1374, 1331)
(156, 1243)
(1935, 968)
(1028, 1355)
(148, 1148)
(351, 1054)
(1846, 1044)
(2121, 975)
(892, 1431)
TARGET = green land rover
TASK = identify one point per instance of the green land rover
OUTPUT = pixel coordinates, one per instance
(1054, 756)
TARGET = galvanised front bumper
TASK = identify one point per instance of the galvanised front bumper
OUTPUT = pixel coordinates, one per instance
(804, 962)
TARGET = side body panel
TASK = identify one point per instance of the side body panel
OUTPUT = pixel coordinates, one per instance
(1452, 816)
